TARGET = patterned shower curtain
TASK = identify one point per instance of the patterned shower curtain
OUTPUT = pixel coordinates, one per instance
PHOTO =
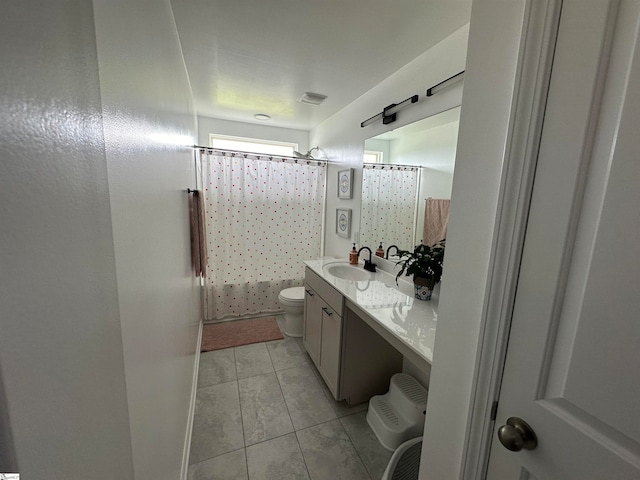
(263, 219)
(388, 206)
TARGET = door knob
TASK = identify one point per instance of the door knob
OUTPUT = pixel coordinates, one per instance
(517, 434)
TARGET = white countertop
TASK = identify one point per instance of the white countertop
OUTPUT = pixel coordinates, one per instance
(394, 308)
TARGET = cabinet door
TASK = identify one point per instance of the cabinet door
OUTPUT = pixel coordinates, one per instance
(330, 348)
(312, 324)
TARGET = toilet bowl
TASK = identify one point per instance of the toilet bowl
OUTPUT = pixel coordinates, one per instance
(292, 301)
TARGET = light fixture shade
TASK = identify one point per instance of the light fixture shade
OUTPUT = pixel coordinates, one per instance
(458, 77)
(312, 98)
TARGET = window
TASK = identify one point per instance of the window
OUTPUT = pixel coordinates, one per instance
(372, 156)
(253, 145)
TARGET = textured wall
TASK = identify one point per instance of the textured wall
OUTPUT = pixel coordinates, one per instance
(61, 354)
(149, 120)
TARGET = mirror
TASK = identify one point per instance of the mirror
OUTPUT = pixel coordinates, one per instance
(404, 170)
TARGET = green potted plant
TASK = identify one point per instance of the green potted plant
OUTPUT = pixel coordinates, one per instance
(425, 264)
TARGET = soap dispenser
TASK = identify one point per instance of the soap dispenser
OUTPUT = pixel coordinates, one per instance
(353, 255)
(380, 251)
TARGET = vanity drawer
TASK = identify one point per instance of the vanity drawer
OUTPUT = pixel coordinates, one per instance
(326, 291)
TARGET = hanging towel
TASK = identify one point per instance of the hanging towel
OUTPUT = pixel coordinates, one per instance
(198, 233)
(436, 219)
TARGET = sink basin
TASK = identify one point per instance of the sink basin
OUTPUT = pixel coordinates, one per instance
(348, 272)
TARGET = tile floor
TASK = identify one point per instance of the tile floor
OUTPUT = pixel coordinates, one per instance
(263, 412)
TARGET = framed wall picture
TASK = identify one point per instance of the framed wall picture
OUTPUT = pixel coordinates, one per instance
(343, 222)
(345, 183)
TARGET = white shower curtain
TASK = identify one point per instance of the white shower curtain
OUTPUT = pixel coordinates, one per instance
(388, 206)
(263, 219)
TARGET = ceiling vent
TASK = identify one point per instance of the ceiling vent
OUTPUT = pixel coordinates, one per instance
(312, 98)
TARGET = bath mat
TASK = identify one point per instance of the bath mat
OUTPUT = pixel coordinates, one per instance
(217, 336)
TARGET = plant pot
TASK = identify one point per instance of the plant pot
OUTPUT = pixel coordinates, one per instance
(423, 288)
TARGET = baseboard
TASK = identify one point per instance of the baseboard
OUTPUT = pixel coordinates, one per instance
(192, 410)
(248, 316)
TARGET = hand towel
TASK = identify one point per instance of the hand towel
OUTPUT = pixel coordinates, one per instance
(436, 219)
(198, 233)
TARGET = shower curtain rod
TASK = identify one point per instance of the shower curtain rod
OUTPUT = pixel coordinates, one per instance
(374, 165)
(258, 156)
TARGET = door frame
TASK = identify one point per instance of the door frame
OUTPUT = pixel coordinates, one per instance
(535, 57)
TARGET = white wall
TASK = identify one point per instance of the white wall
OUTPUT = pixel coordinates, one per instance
(380, 146)
(484, 122)
(435, 147)
(149, 120)
(207, 125)
(435, 184)
(64, 408)
(341, 138)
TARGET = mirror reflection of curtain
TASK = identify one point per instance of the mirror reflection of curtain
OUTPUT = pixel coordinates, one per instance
(263, 219)
(388, 206)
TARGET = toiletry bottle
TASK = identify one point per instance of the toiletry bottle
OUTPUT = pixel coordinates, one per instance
(353, 255)
(380, 251)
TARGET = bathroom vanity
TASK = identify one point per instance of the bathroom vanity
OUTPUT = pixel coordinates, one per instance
(359, 325)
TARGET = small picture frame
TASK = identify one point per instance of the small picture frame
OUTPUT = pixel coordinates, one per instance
(343, 222)
(345, 183)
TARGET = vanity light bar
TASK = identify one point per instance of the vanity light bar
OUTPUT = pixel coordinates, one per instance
(388, 115)
(458, 77)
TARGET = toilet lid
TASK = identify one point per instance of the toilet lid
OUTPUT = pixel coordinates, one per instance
(293, 294)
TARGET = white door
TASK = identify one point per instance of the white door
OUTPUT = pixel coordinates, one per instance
(572, 369)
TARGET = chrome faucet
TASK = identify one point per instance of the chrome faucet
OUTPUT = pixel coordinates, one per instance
(368, 264)
(389, 248)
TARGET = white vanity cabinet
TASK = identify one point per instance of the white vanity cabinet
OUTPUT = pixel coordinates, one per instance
(330, 348)
(322, 333)
(354, 361)
(312, 326)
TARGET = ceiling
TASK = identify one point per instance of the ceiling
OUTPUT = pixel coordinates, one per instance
(259, 56)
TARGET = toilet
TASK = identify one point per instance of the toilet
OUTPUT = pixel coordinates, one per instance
(292, 301)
